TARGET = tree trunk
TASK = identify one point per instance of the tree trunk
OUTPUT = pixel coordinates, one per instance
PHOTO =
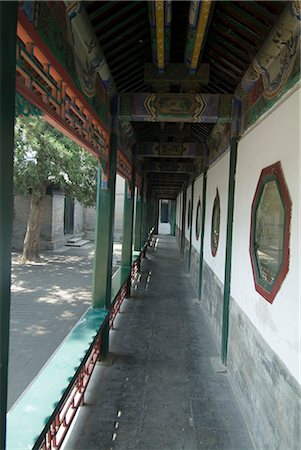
(32, 236)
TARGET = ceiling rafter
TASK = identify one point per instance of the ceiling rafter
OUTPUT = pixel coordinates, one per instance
(122, 10)
(122, 36)
(121, 25)
(101, 10)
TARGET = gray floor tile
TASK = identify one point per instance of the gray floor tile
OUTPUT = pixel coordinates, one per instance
(219, 439)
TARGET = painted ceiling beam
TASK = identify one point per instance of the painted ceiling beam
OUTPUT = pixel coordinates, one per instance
(87, 45)
(170, 107)
(282, 47)
(199, 14)
(171, 166)
(170, 150)
(159, 12)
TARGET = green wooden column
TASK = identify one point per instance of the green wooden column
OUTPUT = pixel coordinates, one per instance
(191, 226)
(173, 218)
(228, 262)
(183, 221)
(8, 21)
(137, 241)
(144, 218)
(104, 233)
(202, 232)
(128, 218)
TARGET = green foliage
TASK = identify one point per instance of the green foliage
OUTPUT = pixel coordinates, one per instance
(45, 157)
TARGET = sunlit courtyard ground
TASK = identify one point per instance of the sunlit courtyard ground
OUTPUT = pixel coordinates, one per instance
(48, 298)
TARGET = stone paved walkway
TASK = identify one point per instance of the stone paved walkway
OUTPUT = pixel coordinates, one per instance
(166, 389)
(47, 300)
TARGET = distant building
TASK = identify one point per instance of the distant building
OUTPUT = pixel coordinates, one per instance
(63, 218)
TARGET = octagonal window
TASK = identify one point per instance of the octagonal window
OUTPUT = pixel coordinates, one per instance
(198, 221)
(269, 240)
(215, 224)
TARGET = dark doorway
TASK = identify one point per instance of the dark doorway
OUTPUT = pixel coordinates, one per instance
(164, 212)
(69, 216)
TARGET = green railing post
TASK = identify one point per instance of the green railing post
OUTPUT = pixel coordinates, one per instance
(228, 259)
(8, 22)
(202, 232)
(191, 226)
(183, 221)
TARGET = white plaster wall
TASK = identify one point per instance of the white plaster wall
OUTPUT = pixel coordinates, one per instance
(179, 210)
(188, 197)
(197, 195)
(276, 138)
(217, 178)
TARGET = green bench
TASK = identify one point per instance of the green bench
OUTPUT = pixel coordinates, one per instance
(37, 412)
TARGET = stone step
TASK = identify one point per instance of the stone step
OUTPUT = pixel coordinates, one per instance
(78, 243)
(74, 240)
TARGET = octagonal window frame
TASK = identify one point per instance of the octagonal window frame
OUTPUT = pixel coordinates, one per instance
(215, 242)
(271, 173)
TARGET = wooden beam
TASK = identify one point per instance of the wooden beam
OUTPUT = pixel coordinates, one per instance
(160, 21)
(198, 21)
(170, 107)
(171, 166)
(171, 150)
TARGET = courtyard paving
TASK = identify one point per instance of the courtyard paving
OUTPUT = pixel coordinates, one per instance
(48, 298)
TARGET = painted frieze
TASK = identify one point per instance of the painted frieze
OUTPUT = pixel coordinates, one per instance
(171, 149)
(169, 107)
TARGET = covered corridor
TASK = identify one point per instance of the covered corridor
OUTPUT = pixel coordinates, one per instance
(195, 104)
(164, 388)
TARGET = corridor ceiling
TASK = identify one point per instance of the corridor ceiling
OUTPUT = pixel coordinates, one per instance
(231, 33)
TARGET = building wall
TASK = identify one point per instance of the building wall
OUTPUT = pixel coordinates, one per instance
(78, 218)
(57, 232)
(264, 344)
(89, 223)
(268, 334)
(21, 211)
(274, 139)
